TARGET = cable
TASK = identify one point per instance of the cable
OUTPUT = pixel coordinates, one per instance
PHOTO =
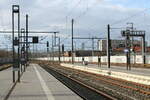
(85, 12)
(73, 8)
(134, 15)
(82, 14)
(120, 20)
(42, 38)
(117, 21)
(69, 13)
(2, 23)
(65, 38)
(123, 19)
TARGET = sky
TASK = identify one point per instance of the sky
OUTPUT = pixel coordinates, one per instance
(91, 17)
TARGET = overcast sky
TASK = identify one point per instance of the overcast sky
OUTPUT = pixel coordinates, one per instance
(91, 16)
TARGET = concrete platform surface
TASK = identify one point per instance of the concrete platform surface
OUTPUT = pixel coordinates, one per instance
(37, 84)
(138, 75)
(136, 71)
(5, 82)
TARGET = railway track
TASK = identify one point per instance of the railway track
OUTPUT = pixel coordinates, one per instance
(139, 91)
(83, 90)
(145, 89)
(5, 66)
(121, 89)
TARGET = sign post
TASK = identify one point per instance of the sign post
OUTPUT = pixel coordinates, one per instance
(15, 41)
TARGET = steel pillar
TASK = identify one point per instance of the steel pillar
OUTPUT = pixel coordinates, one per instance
(16, 60)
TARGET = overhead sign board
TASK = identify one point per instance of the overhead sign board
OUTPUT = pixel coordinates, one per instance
(35, 39)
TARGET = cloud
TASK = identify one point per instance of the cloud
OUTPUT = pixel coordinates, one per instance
(91, 16)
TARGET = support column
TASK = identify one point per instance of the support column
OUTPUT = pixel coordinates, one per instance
(72, 52)
(108, 46)
(143, 49)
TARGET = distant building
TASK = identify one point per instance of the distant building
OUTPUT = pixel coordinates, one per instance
(102, 44)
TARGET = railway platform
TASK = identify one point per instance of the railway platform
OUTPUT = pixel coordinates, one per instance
(38, 84)
(136, 71)
(5, 82)
(138, 75)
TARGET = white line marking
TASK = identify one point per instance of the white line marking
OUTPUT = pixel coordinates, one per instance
(44, 86)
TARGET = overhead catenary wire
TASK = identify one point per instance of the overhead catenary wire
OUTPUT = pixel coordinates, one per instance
(1, 20)
(82, 14)
(78, 3)
(70, 12)
(85, 12)
(119, 21)
(132, 16)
